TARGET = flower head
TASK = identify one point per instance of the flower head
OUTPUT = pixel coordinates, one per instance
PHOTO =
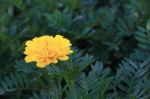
(46, 50)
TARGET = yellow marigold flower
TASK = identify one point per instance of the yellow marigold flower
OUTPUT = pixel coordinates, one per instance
(46, 50)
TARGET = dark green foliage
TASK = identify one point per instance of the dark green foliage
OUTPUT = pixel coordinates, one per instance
(142, 35)
(131, 74)
(13, 82)
(111, 43)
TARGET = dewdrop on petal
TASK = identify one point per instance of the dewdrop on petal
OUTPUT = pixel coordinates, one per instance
(47, 50)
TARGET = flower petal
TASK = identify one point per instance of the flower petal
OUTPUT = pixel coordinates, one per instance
(28, 59)
(64, 58)
(54, 61)
(41, 65)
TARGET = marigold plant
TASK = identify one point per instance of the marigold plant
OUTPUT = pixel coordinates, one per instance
(46, 50)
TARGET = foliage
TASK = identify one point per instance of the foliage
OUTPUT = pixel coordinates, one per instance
(110, 39)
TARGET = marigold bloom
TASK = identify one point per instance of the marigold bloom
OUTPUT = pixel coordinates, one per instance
(46, 50)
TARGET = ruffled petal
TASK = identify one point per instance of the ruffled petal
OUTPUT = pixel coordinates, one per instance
(28, 59)
(64, 58)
